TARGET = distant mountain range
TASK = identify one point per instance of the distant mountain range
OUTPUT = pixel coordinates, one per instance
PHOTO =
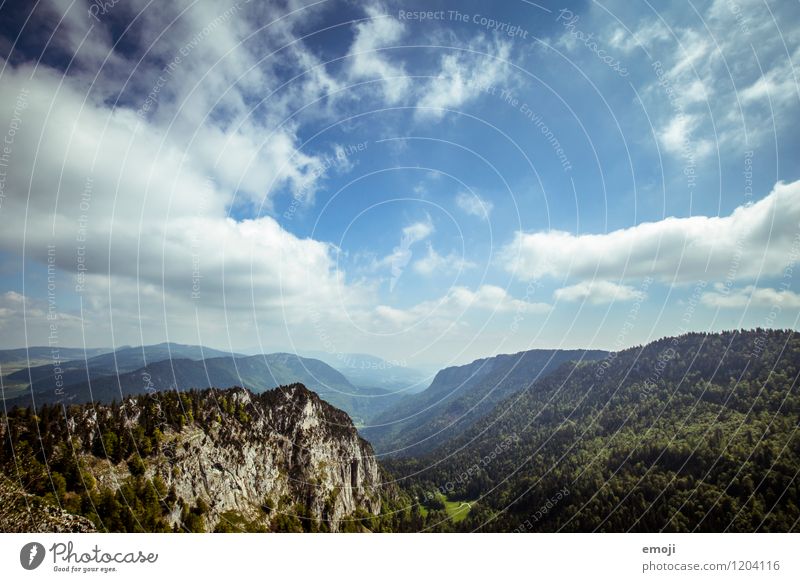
(461, 395)
(131, 371)
(36, 353)
(124, 359)
(367, 370)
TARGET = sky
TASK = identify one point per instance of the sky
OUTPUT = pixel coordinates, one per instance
(429, 182)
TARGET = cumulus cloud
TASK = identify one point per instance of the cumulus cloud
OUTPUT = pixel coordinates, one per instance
(143, 204)
(474, 205)
(598, 292)
(754, 239)
(751, 296)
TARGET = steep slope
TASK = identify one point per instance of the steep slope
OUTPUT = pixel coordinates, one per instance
(203, 460)
(21, 512)
(461, 395)
(258, 373)
(694, 433)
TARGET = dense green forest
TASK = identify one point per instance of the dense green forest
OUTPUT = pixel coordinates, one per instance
(695, 433)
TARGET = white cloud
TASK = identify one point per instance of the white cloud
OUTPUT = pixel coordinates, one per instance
(402, 253)
(645, 35)
(17, 311)
(678, 139)
(776, 86)
(368, 62)
(751, 296)
(434, 263)
(450, 308)
(463, 77)
(598, 292)
(418, 231)
(151, 208)
(474, 205)
(755, 239)
(721, 72)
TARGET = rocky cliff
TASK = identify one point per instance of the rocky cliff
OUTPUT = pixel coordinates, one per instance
(21, 512)
(205, 460)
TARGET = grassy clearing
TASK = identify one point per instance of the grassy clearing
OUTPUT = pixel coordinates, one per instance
(457, 510)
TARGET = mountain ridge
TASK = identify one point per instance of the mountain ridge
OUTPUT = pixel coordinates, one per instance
(461, 395)
(202, 460)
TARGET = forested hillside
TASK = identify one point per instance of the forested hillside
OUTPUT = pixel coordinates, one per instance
(461, 395)
(695, 433)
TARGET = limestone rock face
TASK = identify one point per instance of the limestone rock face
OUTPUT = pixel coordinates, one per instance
(283, 449)
(21, 512)
(296, 449)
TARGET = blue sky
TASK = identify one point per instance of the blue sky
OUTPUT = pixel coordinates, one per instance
(431, 188)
